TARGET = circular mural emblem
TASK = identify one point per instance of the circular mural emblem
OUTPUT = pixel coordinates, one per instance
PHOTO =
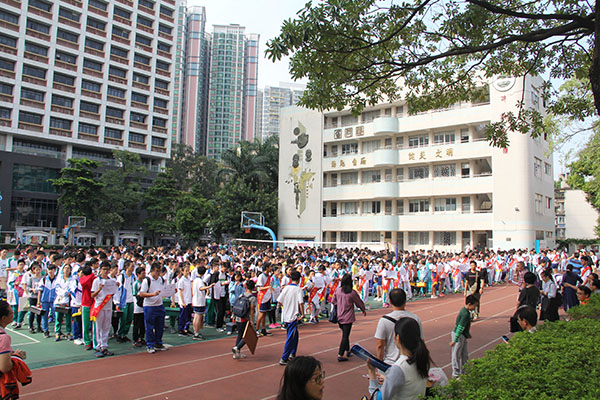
(504, 83)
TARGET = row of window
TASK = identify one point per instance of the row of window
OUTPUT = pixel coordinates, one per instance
(414, 238)
(537, 168)
(414, 173)
(541, 204)
(445, 204)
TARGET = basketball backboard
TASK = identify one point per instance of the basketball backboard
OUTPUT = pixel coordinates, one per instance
(75, 221)
(250, 218)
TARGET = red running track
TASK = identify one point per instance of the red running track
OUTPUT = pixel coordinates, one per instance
(206, 370)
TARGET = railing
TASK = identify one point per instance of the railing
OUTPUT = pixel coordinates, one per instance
(37, 152)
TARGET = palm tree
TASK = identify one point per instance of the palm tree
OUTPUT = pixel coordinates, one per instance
(254, 162)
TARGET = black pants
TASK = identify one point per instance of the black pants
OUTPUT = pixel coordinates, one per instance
(115, 319)
(345, 343)
(32, 316)
(139, 327)
(220, 305)
(241, 327)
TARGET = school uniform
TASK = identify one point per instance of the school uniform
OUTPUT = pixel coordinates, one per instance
(48, 295)
(126, 301)
(101, 325)
(154, 311)
(75, 291)
(184, 289)
(139, 327)
(63, 298)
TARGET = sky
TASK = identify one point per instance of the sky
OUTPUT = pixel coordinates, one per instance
(265, 17)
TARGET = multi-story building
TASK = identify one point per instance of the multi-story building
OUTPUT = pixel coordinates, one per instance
(575, 216)
(274, 99)
(79, 79)
(232, 88)
(430, 180)
(196, 81)
(179, 74)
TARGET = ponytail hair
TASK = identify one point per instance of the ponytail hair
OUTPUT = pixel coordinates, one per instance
(409, 334)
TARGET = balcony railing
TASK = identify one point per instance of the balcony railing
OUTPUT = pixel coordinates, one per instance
(38, 152)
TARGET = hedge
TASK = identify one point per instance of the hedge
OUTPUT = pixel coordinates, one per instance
(560, 361)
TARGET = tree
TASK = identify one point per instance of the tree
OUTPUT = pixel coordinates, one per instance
(434, 53)
(79, 188)
(254, 162)
(193, 216)
(194, 172)
(160, 202)
(120, 198)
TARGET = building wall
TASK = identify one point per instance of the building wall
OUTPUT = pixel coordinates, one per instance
(250, 87)
(580, 217)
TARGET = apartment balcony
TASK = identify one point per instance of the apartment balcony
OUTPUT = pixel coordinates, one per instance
(65, 65)
(117, 79)
(385, 125)
(122, 20)
(75, 3)
(113, 141)
(69, 22)
(7, 74)
(138, 125)
(9, 25)
(138, 146)
(89, 114)
(33, 79)
(92, 72)
(165, 36)
(35, 57)
(137, 104)
(28, 126)
(95, 31)
(13, 3)
(146, 9)
(120, 39)
(126, 2)
(87, 136)
(167, 18)
(161, 110)
(164, 54)
(143, 47)
(89, 93)
(5, 122)
(140, 85)
(114, 99)
(98, 11)
(40, 12)
(9, 50)
(61, 109)
(6, 98)
(118, 59)
(38, 35)
(159, 129)
(139, 65)
(61, 132)
(63, 87)
(32, 103)
(67, 43)
(115, 120)
(159, 149)
(145, 28)
(38, 152)
(161, 91)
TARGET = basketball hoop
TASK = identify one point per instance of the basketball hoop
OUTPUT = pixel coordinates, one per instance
(247, 230)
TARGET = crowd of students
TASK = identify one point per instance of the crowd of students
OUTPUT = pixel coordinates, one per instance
(87, 293)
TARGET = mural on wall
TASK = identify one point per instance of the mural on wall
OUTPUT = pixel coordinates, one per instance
(301, 175)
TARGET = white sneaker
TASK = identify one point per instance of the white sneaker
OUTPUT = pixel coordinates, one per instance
(240, 355)
(78, 342)
(151, 350)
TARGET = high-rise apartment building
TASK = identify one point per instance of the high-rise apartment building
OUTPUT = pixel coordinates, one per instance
(273, 100)
(179, 74)
(232, 57)
(194, 107)
(79, 79)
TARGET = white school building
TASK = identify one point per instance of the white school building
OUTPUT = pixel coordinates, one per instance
(387, 179)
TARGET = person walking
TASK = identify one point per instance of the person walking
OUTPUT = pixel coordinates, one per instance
(460, 334)
(292, 304)
(345, 298)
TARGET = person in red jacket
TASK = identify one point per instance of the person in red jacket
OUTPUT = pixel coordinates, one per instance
(86, 279)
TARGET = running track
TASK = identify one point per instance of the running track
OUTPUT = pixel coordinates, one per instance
(207, 370)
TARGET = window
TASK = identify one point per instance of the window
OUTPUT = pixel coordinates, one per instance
(5, 88)
(537, 167)
(400, 111)
(369, 116)
(444, 170)
(38, 26)
(400, 207)
(418, 172)
(165, 29)
(66, 13)
(89, 107)
(444, 238)
(164, 47)
(144, 21)
(166, 11)
(547, 169)
(116, 92)
(91, 86)
(418, 141)
(464, 135)
(448, 204)
(370, 146)
(114, 112)
(147, 4)
(539, 235)
(418, 206)
(371, 207)
(162, 65)
(140, 78)
(42, 5)
(94, 23)
(88, 128)
(120, 32)
(66, 57)
(538, 203)
(94, 44)
(348, 237)
(113, 133)
(349, 178)
(388, 207)
(444, 137)
(418, 238)
(32, 94)
(399, 174)
(118, 52)
(34, 48)
(9, 17)
(137, 138)
(400, 142)
(7, 65)
(121, 73)
(122, 13)
(96, 66)
(161, 84)
(349, 208)
(137, 117)
(141, 59)
(140, 98)
(465, 204)
(160, 103)
(60, 123)
(143, 40)
(371, 176)
(64, 79)
(548, 203)
(159, 122)
(34, 71)
(30, 118)
(66, 35)
(98, 4)
(370, 237)
(5, 113)
(33, 179)
(8, 41)
(160, 142)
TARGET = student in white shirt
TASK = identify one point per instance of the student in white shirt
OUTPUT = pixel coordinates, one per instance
(126, 300)
(74, 288)
(102, 310)
(63, 299)
(154, 310)
(199, 289)
(291, 300)
(184, 298)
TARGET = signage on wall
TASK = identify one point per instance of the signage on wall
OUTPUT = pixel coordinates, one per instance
(412, 156)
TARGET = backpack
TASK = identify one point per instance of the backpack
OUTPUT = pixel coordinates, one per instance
(139, 300)
(241, 307)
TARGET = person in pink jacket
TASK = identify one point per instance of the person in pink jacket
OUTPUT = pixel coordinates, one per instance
(345, 298)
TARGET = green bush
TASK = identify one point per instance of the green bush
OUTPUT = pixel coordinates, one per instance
(559, 361)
